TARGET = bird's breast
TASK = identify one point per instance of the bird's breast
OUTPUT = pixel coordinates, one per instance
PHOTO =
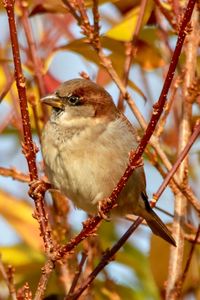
(87, 164)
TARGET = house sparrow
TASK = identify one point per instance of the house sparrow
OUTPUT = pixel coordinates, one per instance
(86, 145)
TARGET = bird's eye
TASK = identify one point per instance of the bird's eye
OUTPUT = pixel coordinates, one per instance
(73, 100)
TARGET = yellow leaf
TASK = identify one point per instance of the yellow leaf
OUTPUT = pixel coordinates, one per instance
(21, 255)
(81, 47)
(27, 264)
(18, 214)
(125, 29)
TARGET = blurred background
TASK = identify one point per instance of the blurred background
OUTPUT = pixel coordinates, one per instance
(141, 267)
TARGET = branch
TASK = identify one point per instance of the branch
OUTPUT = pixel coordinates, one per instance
(46, 272)
(8, 277)
(180, 207)
(180, 159)
(95, 18)
(107, 257)
(179, 283)
(131, 51)
(36, 61)
(24, 293)
(168, 106)
(29, 149)
(167, 15)
(16, 175)
(77, 274)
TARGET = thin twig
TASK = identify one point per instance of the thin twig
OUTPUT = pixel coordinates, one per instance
(72, 10)
(174, 185)
(14, 174)
(84, 17)
(176, 9)
(107, 257)
(185, 190)
(8, 277)
(24, 293)
(36, 61)
(130, 50)
(168, 106)
(77, 273)
(180, 282)
(20, 82)
(180, 159)
(164, 211)
(46, 272)
(167, 15)
(95, 18)
(191, 238)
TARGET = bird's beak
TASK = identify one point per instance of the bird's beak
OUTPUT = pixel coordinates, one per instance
(53, 101)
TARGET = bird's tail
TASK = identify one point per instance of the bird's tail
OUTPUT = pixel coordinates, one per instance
(158, 227)
(155, 223)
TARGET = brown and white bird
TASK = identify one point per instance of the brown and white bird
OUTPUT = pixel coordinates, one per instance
(86, 145)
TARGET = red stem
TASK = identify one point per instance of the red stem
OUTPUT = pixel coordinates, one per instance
(28, 146)
(20, 82)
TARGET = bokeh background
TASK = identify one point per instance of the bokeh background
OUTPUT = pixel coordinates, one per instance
(141, 267)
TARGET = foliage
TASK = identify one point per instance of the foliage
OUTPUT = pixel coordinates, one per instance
(136, 40)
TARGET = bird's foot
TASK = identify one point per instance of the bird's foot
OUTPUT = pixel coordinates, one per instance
(38, 187)
(102, 204)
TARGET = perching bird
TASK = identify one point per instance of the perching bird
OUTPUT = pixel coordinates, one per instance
(86, 145)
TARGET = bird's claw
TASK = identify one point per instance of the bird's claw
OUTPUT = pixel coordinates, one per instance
(101, 210)
(38, 187)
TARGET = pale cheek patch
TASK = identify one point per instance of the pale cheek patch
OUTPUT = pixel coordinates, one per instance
(74, 114)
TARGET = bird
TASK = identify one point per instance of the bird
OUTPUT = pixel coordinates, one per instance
(86, 145)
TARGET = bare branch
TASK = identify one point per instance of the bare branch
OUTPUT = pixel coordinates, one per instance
(46, 272)
(179, 284)
(29, 148)
(77, 274)
(130, 49)
(176, 254)
(36, 61)
(107, 257)
(14, 174)
(8, 277)
(180, 159)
